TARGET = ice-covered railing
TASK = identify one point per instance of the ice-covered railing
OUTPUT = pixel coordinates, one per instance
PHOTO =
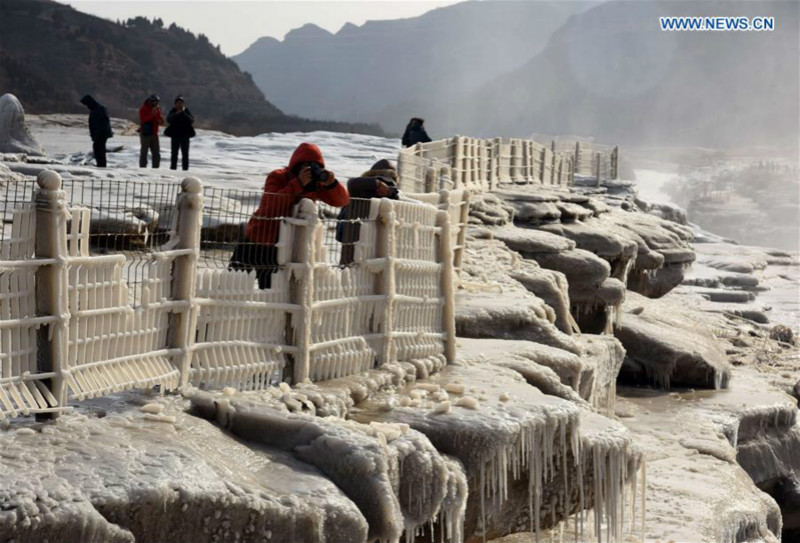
(87, 310)
(479, 165)
(591, 160)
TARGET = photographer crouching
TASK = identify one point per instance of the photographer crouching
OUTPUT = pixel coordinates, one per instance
(304, 177)
(379, 182)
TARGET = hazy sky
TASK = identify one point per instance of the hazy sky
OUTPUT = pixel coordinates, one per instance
(235, 25)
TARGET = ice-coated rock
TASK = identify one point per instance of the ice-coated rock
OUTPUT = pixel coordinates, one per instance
(15, 137)
(531, 459)
(125, 478)
(393, 474)
(592, 375)
(491, 304)
(666, 347)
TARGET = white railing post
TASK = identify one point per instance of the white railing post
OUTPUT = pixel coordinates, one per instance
(495, 164)
(431, 179)
(543, 165)
(188, 227)
(458, 153)
(573, 166)
(448, 277)
(615, 163)
(419, 167)
(306, 257)
(597, 167)
(386, 250)
(51, 285)
(446, 173)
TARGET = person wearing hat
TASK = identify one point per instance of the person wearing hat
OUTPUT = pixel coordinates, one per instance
(150, 119)
(99, 129)
(180, 130)
(415, 132)
(380, 181)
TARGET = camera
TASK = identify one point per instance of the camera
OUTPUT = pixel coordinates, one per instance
(318, 173)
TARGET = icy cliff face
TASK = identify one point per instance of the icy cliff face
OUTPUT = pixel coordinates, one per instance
(598, 248)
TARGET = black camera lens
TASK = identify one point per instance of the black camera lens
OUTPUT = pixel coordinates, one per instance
(318, 173)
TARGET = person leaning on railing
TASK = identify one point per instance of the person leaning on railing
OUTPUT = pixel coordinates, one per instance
(379, 182)
(304, 177)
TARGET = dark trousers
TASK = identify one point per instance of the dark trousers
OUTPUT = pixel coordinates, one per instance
(250, 256)
(183, 145)
(99, 148)
(149, 143)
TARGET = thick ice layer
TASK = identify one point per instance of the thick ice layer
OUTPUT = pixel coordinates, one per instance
(134, 475)
(605, 354)
(666, 347)
(491, 304)
(591, 375)
(552, 287)
(524, 452)
(392, 473)
(693, 441)
(15, 136)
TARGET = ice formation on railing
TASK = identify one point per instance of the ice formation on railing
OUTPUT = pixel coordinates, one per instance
(180, 322)
(479, 164)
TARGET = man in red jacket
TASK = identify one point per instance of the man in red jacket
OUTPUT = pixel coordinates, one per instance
(304, 177)
(150, 119)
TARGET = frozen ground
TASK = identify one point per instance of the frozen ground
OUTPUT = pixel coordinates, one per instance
(218, 159)
(484, 442)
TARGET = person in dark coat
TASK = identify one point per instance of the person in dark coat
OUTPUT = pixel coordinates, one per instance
(99, 129)
(415, 133)
(180, 130)
(149, 120)
(379, 182)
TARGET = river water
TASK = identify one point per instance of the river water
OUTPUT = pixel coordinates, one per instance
(781, 300)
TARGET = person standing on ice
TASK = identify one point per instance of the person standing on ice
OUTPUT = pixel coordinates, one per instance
(150, 119)
(180, 130)
(415, 133)
(304, 177)
(99, 129)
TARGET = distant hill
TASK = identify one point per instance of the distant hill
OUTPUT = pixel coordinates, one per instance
(389, 71)
(611, 72)
(51, 55)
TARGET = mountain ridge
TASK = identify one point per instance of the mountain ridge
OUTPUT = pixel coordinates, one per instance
(52, 54)
(389, 70)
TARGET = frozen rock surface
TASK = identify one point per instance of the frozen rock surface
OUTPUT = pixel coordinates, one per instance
(392, 473)
(728, 444)
(509, 440)
(15, 137)
(533, 459)
(666, 348)
(599, 248)
(492, 304)
(590, 376)
(131, 476)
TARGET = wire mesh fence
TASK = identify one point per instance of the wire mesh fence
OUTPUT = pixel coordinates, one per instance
(16, 234)
(241, 229)
(342, 229)
(132, 218)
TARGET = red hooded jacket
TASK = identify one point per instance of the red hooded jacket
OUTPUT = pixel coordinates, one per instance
(283, 190)
(147, 115)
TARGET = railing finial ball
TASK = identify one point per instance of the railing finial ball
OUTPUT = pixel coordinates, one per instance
(49, 180)
(191, 184)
